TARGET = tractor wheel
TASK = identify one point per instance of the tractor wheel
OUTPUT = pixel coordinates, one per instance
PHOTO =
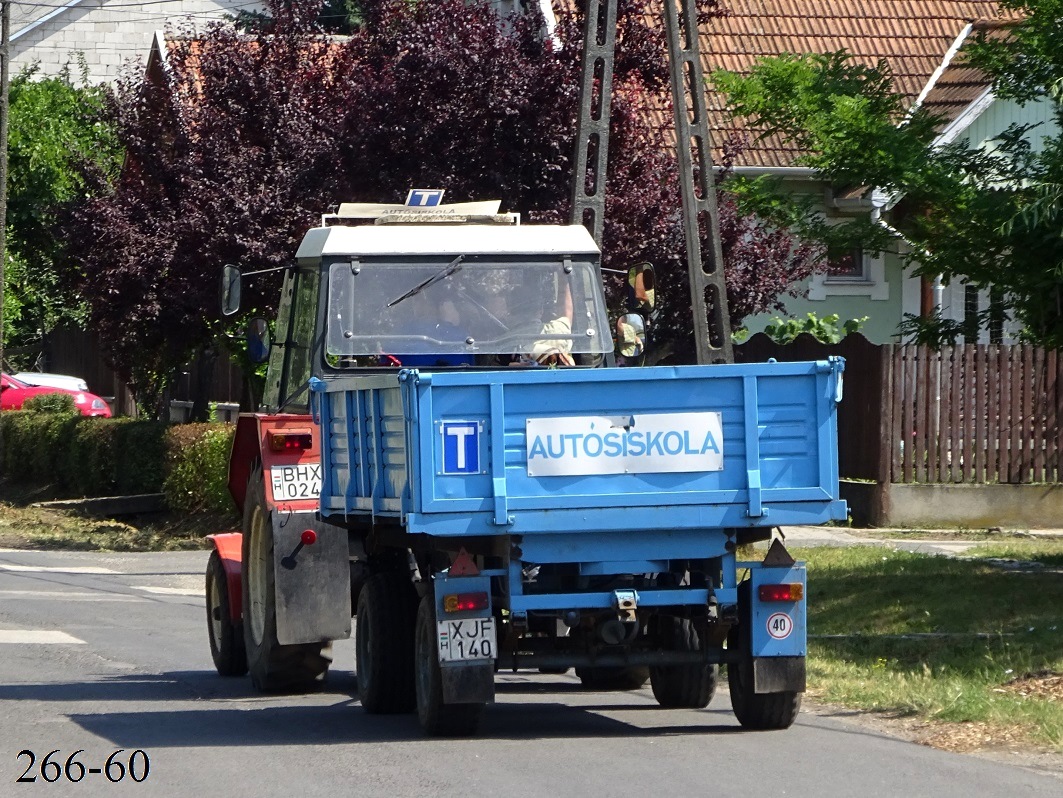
(226, 636)
(682, 686)
(273, 667)
(387, 612)
(437, 719)
(754, 710)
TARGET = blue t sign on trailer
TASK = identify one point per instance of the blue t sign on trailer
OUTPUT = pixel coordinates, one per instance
(461, 447)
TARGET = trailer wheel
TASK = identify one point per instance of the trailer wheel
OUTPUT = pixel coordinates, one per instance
(612, 678)
(273, 667)
(387, 611)
(437, 719)
(682, 686)
(226, 637)
(754, 710)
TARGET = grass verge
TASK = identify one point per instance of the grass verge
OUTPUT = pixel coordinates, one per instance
(23, 526)
(948, 639)
(37, 528)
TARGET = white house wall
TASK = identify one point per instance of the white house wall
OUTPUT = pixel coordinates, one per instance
(1001, 114)
(107, 32)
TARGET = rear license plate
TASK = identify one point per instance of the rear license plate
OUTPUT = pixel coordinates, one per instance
(291, 482)
(466, 640)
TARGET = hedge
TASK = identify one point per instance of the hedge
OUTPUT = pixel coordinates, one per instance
(77, 456)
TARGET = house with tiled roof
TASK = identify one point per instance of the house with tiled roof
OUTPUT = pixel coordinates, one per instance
(106, 33)
(922, 42)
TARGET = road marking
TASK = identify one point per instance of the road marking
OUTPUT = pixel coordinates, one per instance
(38, 637)
(63, 595)
(171, 591)
(56, 569)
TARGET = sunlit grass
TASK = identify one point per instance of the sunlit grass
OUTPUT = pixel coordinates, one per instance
(937, 637)
(38, 528)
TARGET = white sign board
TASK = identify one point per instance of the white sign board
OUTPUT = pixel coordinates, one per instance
(636, 444)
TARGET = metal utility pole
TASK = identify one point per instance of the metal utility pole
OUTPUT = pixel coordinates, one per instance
(592, 131)
(708, 291)
(5, 75)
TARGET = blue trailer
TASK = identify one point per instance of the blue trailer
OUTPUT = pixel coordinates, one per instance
(479, 511)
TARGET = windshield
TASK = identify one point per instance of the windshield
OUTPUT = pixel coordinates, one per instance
(472, 306)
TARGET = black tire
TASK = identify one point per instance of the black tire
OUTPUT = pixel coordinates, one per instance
(754, 710)
(612, 678)
(226, 636)
(273, 667)
(387, 612)
(436, 718)
(682, 686)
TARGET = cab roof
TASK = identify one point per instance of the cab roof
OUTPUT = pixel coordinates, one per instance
(447, 239)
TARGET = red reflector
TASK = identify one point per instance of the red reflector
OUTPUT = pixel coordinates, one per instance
(465, 602)
(290, 441)
(791, 592)
(309, 537)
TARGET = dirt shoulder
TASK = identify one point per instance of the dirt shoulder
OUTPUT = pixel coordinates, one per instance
(24, 526)
(975, 739)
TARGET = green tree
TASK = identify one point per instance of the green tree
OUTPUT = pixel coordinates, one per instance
(59, 145)
(989, 216)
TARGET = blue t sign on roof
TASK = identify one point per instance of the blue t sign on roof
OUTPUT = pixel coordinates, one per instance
(461, 447)
(425, 197)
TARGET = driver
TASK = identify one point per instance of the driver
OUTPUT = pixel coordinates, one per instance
(553, 347)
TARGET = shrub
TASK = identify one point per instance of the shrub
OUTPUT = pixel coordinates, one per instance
(197, 477)
(824, 329)
(51, 403)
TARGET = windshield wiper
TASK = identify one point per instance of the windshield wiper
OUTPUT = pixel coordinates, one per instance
(451, 268)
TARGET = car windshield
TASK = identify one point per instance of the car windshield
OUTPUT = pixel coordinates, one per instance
(485, 305)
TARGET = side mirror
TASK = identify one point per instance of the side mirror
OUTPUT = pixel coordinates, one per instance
(630, 339)
(258, 341)
(230, 289)
(641, 288)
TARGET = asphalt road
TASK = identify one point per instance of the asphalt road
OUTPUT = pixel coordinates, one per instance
(101, 652)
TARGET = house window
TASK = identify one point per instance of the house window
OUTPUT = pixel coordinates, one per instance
(851, 267)
(855, 274)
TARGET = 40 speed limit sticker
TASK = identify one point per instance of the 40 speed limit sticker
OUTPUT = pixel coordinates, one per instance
(780, 625)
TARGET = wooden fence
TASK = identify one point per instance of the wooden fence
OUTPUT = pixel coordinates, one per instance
(960, 414)
(975, 414)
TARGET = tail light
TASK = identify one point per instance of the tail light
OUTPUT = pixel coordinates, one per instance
(465, 602)
(291, 440)
(788, 592)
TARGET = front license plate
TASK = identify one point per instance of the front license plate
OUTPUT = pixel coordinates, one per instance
(460, 641)
(291, 482)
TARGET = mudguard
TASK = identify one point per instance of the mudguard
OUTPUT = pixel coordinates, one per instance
(313, 582)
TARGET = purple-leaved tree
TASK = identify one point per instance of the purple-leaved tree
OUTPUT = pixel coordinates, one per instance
(241, 140)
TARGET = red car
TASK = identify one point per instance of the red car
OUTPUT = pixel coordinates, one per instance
(13, 393)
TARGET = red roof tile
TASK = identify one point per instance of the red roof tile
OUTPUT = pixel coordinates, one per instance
(912, 36)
